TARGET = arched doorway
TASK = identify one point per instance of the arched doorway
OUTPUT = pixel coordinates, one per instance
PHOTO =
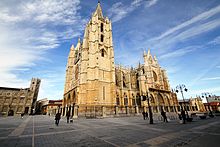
(161, 102)
(26, 110)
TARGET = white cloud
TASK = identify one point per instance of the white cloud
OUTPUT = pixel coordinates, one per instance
(212, 90)
(179, 52)
(118, 11)
(151, 3)
(212, 78)
(191, 28)
(203, 73)
(215, 41)
(197, 29)
(51, 88)
(28, 30)
(200, 17)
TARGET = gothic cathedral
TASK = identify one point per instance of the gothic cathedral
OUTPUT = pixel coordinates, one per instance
(96, 87)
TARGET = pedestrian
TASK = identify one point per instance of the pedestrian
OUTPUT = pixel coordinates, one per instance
(57, 118)
(163, 113)
(22, 115)
(180, 116)
(183, 116)
(68, 116)
(144, 115)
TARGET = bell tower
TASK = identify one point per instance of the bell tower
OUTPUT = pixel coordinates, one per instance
(98, 70)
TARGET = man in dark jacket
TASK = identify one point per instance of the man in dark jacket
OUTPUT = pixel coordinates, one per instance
(183, 116)
(68, 116)
(57, 118)
(164, 116)
(144, 115)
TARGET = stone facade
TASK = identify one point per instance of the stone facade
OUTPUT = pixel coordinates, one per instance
(52, 107)
(14, 101)
(192, 105)
(95, 86)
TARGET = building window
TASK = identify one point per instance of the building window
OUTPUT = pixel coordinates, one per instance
(155, 76)
(138, 99)
(126, 101)
(102, 27)
(102, 52)
(104, 93)
(124, 81)
(133, 102)
(76, 72)
(102, 38)
(117, 101)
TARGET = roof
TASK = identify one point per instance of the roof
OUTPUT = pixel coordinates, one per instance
(9, 88)
(55, 101)
(213, 103)
(182, 101)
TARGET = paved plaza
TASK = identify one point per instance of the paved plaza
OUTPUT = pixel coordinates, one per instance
(40, 131)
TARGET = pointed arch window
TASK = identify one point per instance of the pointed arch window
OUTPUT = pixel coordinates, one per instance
(155, 76)
(126, 100)
(76, 72)
(102, 53)
(117, 101)
(101, 28)
(102, 38)
(103, 90)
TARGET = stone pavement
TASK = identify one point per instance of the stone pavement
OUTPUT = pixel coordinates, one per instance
(40, 131)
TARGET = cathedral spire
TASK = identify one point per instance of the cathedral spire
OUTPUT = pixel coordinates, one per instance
(78, 44)
(145, 53)
(98, 11)
(72, 48)
(148, 53)
(155, 58)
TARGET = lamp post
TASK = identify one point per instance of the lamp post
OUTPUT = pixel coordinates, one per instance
(150, 111)
(149, 107)
(207, 95)
(58, 109)
(181, 88)
(94, 107)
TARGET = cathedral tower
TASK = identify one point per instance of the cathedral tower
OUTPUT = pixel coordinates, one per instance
(90, 73)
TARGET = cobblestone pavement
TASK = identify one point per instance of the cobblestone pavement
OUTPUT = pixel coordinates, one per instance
(40, 131)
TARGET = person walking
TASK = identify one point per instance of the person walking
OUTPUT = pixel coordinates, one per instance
(68, 116)
(22, 115)
(144, 115)
(183, 116)
(57, 118)
(163, 113)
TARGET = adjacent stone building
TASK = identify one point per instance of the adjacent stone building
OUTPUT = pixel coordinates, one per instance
(192, 105)
(95, 86)
(14, 101)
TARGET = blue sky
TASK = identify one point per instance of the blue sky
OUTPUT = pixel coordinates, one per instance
(36, 36)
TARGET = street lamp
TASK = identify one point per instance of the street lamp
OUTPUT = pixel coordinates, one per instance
(207, 95)
(181, 88)
(94, 107)
(149, 107)
(58, 109)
